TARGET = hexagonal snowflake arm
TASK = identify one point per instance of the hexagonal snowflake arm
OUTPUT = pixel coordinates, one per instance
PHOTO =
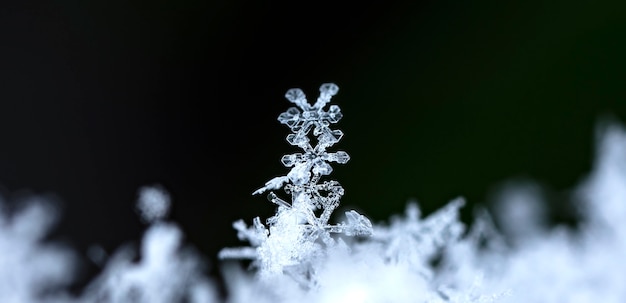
(327, 91)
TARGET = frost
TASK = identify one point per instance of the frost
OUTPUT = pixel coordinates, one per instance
(167, 271)
(585, 264)
(512, 254)
(300, 232)
(436, 258)
(300, 256)
(31, 268)
(413, 242)
(35, 270)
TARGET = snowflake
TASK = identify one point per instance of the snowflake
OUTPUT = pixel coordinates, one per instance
(290, 242)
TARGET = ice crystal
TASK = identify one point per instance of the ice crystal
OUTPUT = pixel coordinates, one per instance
(166, 272)
(413, 242)
(300, 229)
(511, 255)
(575, 265)
(297, 255)
(31, 268)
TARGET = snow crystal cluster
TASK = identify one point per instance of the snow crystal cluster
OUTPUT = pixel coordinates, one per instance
(290, 245)
(437, 258)
(29, 266)
(167, 270)
(34, 270)
(296, 258)
(512, 254)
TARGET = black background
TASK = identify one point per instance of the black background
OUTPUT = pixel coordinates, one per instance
(440, 99)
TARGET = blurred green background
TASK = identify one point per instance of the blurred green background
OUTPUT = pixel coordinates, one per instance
(440, 99)
(460, 97)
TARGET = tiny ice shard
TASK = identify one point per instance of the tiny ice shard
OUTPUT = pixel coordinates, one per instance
(357, 224)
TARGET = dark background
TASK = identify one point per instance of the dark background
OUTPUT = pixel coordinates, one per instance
(440, 99)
